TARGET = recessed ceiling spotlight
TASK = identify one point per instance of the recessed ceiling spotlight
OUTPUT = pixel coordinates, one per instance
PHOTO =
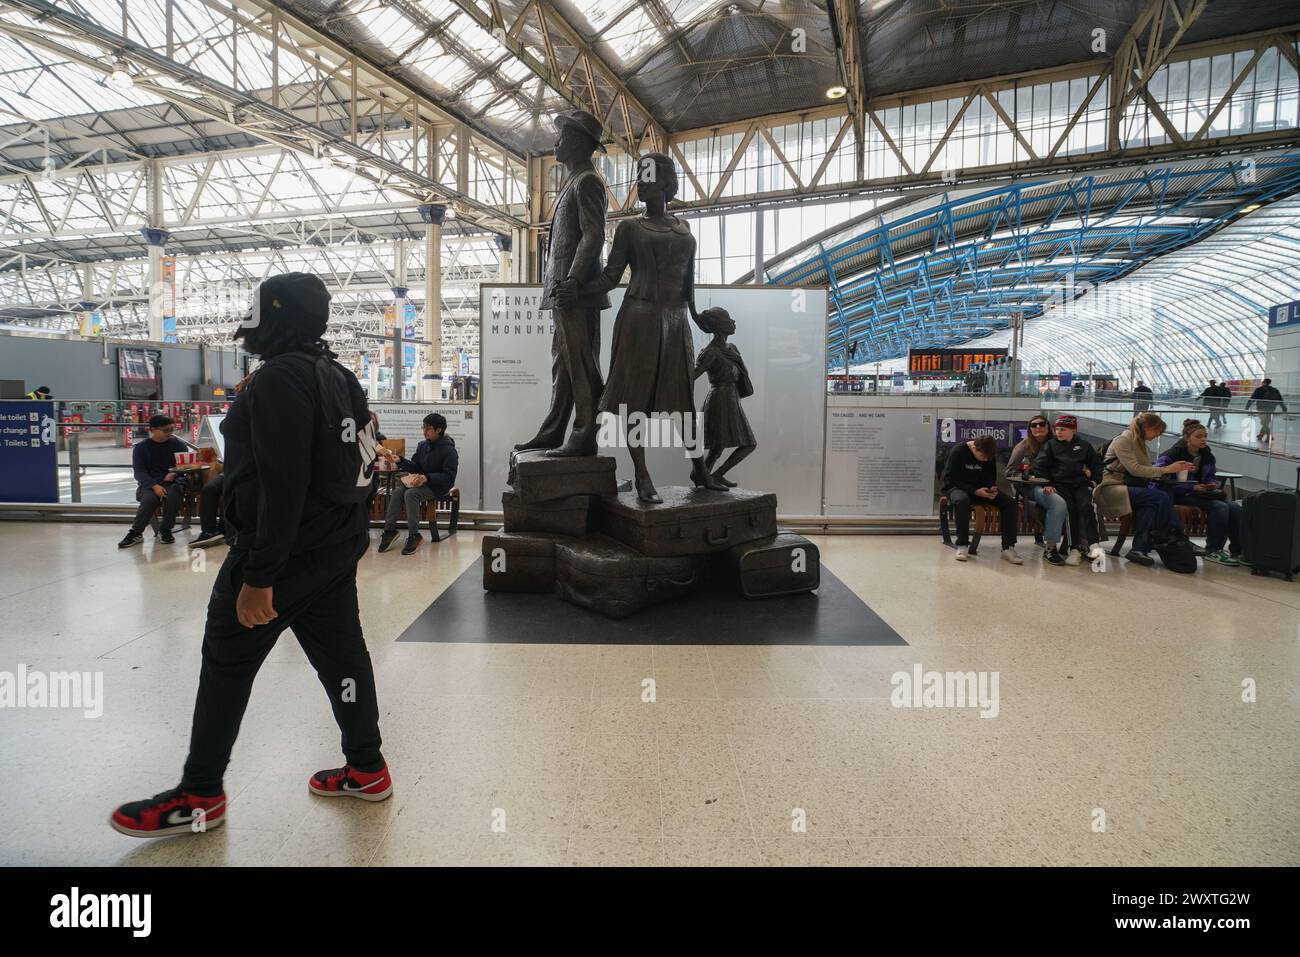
(120, 78)
(836, 92)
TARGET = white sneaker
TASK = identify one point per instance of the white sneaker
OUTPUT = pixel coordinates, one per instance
(1012, 556)
(963, 552)
(1073, 558)
(1096, 551)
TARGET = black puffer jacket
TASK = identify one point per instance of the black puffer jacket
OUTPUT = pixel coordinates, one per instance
(1062, 463)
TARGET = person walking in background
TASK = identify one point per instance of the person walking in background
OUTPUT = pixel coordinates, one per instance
(1267, 400)
(1210, 399)
(152, 461)
(1141, 397)
(40, 394)
(432, 473)
(297, 481)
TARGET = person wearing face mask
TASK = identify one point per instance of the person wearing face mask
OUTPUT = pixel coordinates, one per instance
(1022, 461)
(1202, 490)
(1125, 484)
(1070, 463)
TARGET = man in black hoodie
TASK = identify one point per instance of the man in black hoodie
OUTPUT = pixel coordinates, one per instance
(432, 473)
(970, 477)
(293, 564)
(1267, 400)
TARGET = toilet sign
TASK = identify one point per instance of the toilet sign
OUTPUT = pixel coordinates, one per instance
(29, 468)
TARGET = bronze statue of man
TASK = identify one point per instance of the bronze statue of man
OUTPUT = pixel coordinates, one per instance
(577, 238)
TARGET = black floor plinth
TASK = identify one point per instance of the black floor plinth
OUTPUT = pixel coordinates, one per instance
(831, 616)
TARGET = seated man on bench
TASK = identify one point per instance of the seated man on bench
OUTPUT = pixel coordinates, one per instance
(970, 478)
(432, 473)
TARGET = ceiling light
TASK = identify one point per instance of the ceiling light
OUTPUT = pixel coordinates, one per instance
(1251, 208)
(48, 169)
(120, 78)
(836, 92)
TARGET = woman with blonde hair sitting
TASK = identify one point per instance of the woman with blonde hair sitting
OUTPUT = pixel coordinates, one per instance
(1125, 484)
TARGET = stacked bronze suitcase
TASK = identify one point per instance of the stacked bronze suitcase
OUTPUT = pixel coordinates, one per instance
(568, 531)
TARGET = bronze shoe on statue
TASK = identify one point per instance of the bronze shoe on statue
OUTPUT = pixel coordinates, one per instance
(579, 444)
(646, 492)
(536, 442)
(703, 477)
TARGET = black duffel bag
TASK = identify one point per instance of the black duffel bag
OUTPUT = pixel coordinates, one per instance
(1175, 550)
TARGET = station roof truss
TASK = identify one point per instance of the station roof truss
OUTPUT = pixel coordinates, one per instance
(963, 267)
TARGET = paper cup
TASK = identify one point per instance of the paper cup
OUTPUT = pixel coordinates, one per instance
(1182, 476)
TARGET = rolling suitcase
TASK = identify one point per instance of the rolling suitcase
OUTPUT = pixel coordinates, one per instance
(1272, 526)
(520, 561)
(606, 576)
(784, 565)
(573, 516)
(691, 521)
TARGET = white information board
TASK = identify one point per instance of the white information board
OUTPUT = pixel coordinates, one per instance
(781, 334)
(880, 462)
(405, 421)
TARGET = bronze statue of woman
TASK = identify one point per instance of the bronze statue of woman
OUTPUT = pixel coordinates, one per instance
(652, 362)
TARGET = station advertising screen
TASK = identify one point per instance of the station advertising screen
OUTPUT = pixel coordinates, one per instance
(941, 363)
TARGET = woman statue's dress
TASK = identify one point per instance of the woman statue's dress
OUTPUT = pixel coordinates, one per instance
(652, 357)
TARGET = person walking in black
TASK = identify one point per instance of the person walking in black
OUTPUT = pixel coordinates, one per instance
(1141, 397)
(1210, 399)
(1267, 400)
(291, 446)
(152, 460)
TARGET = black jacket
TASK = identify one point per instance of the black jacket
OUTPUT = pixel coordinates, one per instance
(271, 504)
(436, 461)
(1062, 463)
(964, 471)
(1267, 399)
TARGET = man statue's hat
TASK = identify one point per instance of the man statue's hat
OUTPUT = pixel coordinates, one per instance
(583, 121)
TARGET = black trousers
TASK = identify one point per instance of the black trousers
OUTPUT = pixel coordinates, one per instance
(149, 500)
(317, 598)
(576, 382)
(961, 502)
(209, 503)
(1083, 517)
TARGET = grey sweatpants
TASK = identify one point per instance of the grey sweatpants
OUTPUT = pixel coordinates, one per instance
(413, 499)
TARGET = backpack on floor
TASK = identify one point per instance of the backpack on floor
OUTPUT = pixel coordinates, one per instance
(1175, 550)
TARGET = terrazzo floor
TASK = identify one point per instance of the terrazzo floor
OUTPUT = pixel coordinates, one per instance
(1121, 734)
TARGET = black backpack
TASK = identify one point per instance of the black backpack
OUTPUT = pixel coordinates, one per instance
(1174, 549)
(347, 441)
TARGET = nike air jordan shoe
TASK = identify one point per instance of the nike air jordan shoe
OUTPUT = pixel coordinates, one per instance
(169, 814)
(347, 781)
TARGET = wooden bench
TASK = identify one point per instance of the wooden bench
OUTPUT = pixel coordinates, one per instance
(449, 505)
(986, 519)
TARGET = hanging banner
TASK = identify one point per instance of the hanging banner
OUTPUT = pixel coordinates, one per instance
(169, 298)
(408, 331)
(390, 323)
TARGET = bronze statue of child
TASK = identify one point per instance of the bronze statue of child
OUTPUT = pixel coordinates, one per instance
(725, 425)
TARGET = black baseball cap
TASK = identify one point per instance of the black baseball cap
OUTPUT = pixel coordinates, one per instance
(296, 299)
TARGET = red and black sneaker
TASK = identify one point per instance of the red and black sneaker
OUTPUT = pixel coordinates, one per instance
(348, 781)
(169, 814)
